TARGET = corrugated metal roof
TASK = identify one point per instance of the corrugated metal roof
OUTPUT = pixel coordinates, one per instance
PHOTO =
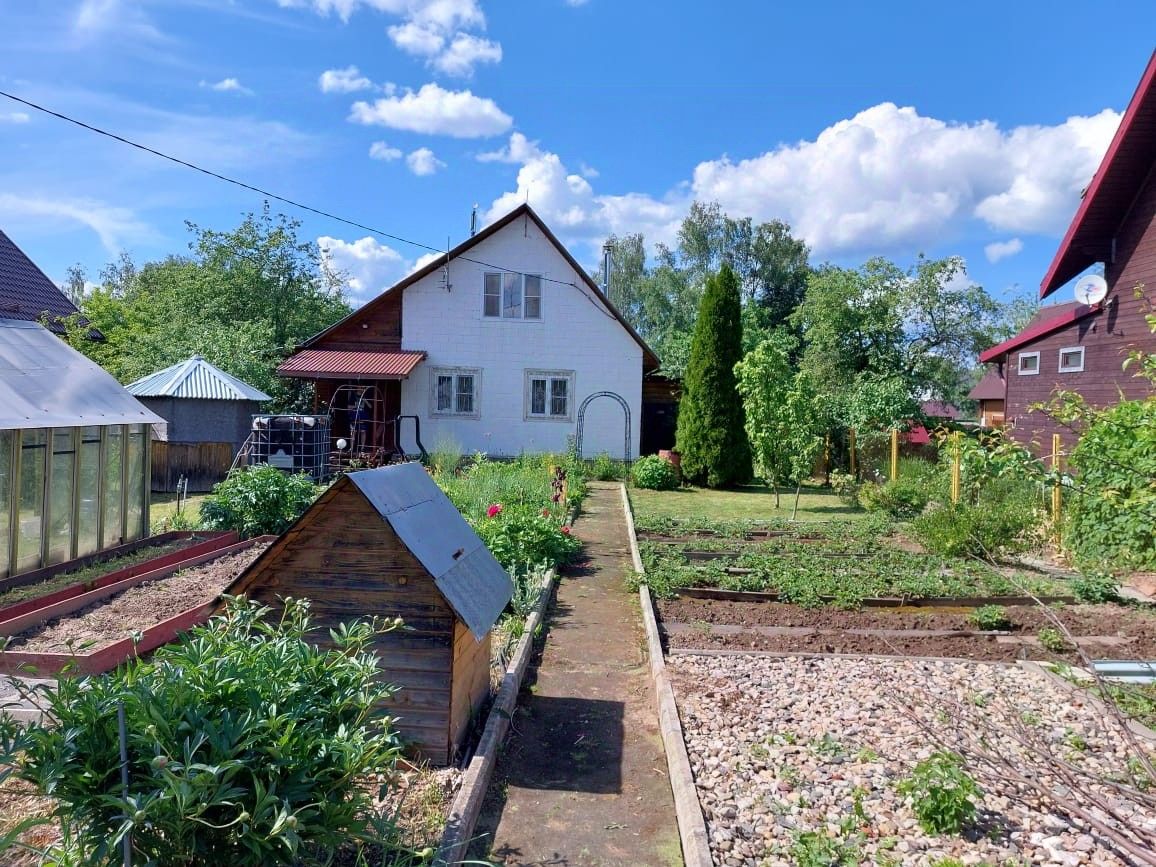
(472, 581)
(991, 387)
(44, 382)
(196, 379)
(25, 291)
(330, 363)
(1047, 320)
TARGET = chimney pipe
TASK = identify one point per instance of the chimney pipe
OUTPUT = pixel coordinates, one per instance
(607, 266)
(474, 220)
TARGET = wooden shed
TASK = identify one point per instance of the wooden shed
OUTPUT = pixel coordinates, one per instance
(388, 542)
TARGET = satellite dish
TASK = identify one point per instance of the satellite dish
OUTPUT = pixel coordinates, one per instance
(1091, 289)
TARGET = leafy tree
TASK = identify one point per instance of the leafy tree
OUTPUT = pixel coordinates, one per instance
(711, 430)
(783, 423)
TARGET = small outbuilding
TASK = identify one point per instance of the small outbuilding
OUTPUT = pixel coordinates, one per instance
(388, 542)
(208, 415)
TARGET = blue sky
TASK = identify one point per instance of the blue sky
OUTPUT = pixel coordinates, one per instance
(890, 129)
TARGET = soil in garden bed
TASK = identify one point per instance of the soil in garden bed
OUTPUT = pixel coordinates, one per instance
(136, 608)
(1136, 625)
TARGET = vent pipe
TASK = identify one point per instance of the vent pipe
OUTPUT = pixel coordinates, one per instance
(474, 220)
(607, 266)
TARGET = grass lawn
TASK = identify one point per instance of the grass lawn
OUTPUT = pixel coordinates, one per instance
(745, 503)
(164, 506)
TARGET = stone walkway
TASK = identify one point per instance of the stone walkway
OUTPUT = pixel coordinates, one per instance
(582, 779)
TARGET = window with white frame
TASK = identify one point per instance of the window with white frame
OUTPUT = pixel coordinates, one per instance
(1029, 363)
(510, 295)
(1071, 359)
(549, 394)
(455, 391)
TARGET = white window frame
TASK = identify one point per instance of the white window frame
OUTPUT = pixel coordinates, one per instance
(1071, 369)
(521, 283)
(550, 376)
(455, 374)
(1020, 364)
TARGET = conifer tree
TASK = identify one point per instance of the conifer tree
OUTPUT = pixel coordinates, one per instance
(711, 425)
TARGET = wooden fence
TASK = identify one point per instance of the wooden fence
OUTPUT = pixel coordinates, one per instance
(203, 464)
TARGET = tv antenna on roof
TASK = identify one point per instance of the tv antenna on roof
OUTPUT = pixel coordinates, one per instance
(1091, 289)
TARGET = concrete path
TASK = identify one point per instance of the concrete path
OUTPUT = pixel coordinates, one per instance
(582, 779)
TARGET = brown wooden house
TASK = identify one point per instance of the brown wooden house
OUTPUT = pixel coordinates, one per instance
(388, 542)
(990, 393)
(1081, 347)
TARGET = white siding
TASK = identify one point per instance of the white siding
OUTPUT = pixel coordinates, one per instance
(576, 333)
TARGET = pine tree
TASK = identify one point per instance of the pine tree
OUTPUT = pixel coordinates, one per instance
(711, 430)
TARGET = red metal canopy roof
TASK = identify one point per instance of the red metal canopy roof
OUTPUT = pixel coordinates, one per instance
(336, 364)
(1113, 190)
(1041, 326)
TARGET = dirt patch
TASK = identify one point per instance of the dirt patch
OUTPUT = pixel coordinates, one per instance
(137, 608)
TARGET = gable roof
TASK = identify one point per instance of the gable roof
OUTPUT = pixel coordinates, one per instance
(197, 379)
(472, 581)
(1046, 321)
(1113, 190)
(26, 292)
(649, 359)
(44, 382)
(991, 386)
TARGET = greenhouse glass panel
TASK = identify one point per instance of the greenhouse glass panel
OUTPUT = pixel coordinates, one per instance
(5, 498)
(113, 486)
(134, 480)
(88, 493)
(60, 493)
(33, 452)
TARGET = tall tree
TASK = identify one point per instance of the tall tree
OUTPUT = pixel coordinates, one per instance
(711, 425)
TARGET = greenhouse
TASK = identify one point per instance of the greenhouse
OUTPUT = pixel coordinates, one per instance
(74, 453)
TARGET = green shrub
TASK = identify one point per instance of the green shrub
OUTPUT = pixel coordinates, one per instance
(942, 793)
(845, 487)
(246, 744)
(605, 469)
(655, 474)
(902, 499)
(257, 500)
(1096, 588)
(524, 538)
(1052, 639)
(990, 618)
(1006, 520)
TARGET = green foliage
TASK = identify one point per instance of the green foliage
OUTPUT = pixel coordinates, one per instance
(711, 431)
(522, 537)
(605, 469)
(247, 744)
(902, 499)
(942, 793)
(818, 849)
(990, 618)
(445, 457)
(1096, 588)
(257, 500)
(1052, 639)
(845, 486)
(1006, 520)
(655, 474)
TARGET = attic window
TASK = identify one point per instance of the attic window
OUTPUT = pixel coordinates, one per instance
(1029, 363)
(1072, 359)
(510, 295)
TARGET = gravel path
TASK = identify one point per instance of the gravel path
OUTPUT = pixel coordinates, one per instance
(784, 746)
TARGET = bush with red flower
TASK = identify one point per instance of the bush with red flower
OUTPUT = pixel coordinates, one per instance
(521, 537)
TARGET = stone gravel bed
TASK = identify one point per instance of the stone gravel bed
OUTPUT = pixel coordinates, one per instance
(784, 746)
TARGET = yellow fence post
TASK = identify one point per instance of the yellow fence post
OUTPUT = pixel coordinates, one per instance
(956, 467)
(894, 454)
(851, 444)
(1057, 488)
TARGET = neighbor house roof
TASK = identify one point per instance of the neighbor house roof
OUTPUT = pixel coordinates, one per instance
(471, 580)
(1114, 188)
(196, 379)
(26, 292)
(1046, 321)
(991, 386)
(44, 382)
(649, 359)
(340, 364)
(938, 409)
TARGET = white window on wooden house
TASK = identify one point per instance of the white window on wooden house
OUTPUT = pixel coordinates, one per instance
(1029, 363)
(454, 391)
(549, 394)
(510, 295)
(1072, 359)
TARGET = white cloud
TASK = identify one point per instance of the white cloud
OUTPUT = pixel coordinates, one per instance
(886, 179)
(423, 162)
(435, 111)
(15, 117)
(588, 172)
(95, 19)
(370, 266)
(422, 261)
(348, 80)
(379, 150)
(112, 225)
(227, 85)
(1002, 249)
(464, 52)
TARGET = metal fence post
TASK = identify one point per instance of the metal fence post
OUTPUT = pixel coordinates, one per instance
(894, 454)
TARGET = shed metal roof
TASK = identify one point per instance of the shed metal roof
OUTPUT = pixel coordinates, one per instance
(472, 581)
(334, 363)
(25, 291)
(196, 379)
(44, 382)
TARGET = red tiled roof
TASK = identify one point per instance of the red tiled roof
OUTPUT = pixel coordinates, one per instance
(1041, 326)
(1106, 202)
(336, 364)
(991, 387)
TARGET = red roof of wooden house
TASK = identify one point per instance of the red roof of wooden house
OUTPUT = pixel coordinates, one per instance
(338, 364)
(991, 387)
(1046, 321)
(1113, 189)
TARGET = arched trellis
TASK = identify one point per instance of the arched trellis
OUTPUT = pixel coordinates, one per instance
(582, 421)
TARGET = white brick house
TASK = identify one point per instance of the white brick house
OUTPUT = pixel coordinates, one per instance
(493, 347)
